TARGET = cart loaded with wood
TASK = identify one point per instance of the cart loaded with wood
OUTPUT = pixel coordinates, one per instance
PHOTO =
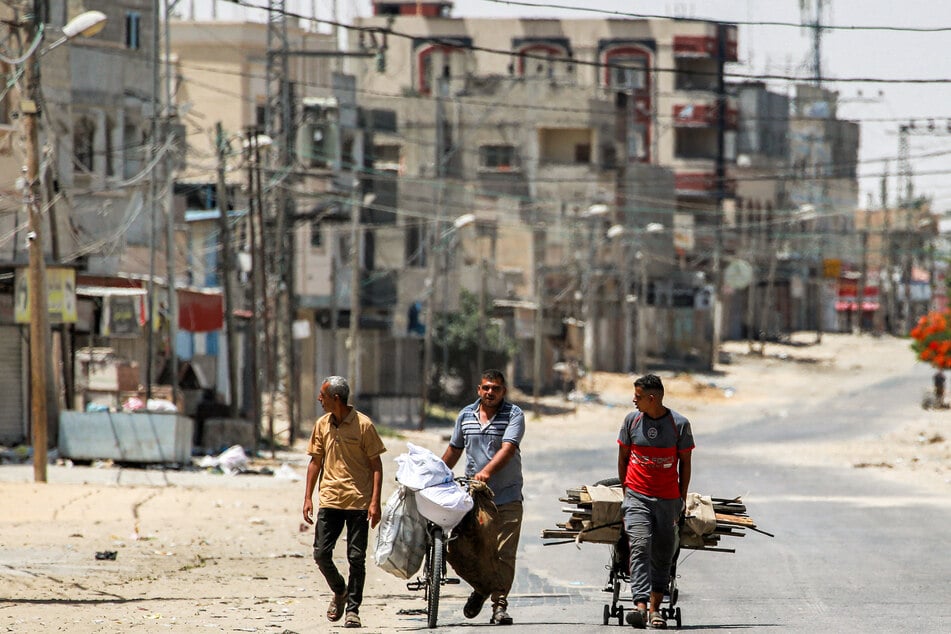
(595, 517)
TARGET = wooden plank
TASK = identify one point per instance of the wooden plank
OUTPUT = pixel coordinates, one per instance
(549, 533)
(734, 519)
(576, 510)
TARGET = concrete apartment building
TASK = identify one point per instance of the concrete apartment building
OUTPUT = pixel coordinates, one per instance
(551, 132)
(221, 69)
(94, 128)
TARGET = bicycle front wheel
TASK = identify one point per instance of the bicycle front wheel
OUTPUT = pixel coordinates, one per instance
(436, 570)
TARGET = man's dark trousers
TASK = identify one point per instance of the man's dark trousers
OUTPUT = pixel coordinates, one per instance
(330, 523)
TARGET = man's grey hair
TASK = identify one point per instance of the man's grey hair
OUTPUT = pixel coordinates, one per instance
(339, 386)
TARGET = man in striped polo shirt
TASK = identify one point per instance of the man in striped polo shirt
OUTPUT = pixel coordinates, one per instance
(490, 431)
(654, 449)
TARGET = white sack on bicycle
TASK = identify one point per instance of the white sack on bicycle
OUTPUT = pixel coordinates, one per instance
(401, 538)
(421, 468)
(444, 504)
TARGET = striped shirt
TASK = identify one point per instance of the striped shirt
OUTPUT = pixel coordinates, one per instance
(481, 445)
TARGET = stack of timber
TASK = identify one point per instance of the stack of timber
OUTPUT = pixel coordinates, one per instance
(595, 516)
(730, 519)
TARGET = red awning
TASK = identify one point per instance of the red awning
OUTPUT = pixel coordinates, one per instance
(200, 311)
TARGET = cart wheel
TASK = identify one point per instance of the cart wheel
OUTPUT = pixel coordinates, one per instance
(607, 613)
(620, 615)
(677, 617)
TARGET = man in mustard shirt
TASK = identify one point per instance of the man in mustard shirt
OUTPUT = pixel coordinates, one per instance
(345, 466)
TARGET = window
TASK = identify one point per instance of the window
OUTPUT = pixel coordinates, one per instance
(627, 67)
(132, 149)
(695, 74)
(84, 148)
(133, 21)
(501, 158)
(628, 72)
(5, 100)
(386, 156)
(316, 234)
(415, 253)
(438, 64)
(583, 153)
(110, 159)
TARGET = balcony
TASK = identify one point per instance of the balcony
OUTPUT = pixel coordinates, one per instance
(705, 46)
(691, 184)
(703, 115)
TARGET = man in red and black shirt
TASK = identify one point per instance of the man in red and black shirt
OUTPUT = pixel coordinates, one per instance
(654, 448)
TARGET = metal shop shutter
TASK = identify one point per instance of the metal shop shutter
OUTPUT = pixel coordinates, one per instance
(12, 425)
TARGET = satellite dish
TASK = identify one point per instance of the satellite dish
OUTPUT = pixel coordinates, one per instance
(738, 274)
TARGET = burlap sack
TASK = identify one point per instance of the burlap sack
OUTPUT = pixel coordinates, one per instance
(472, 551)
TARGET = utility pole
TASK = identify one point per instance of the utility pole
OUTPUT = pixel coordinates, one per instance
(483, 292)
(279, 115)
(884, 314)
(39, 316)
(538, 250)
(588, 309)
(627, 262)
(153, 200)
(640, 349)
(863, 276)
(905, 202)
(86, 24)
(257, 275)
(356, 260)
(720, 194)
(332, 250)
(166, 163)
(226, 270)
(440, 160)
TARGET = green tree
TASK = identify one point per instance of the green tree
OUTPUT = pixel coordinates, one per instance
(459, 335)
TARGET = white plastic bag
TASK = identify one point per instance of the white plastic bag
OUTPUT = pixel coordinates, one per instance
(421, 468)
(401, 538)
(233, 460)
(444, 504)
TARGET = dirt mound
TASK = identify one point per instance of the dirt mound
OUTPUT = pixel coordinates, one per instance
(619, 387)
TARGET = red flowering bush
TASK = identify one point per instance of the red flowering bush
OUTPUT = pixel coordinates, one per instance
(931, 339)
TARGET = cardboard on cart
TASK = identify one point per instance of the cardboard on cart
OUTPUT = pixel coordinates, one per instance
(605, 515)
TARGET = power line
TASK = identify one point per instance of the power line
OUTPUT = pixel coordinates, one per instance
(455, 43)
(656, 16)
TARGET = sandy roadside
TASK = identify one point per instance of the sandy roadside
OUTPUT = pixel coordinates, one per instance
(203, 552)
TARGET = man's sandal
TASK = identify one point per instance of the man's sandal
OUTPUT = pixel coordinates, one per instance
(637, 618)
(335, 609)
(657, 622)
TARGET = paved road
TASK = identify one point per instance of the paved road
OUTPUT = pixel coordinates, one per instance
(852, 552)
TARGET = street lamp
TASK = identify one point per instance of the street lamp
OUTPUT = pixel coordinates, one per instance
(88, 23)
(457, 224)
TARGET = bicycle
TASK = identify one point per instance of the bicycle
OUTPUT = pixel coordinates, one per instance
(434, 568)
